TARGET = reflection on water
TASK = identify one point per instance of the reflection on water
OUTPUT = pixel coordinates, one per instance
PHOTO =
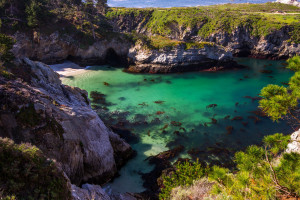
(211, 114)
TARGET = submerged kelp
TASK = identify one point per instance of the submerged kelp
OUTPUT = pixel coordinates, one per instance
(162, 112)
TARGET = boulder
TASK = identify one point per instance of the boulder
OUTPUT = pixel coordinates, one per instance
(294, 145)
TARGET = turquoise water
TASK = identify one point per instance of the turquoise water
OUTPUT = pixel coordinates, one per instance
(174, 3)
(180, 114)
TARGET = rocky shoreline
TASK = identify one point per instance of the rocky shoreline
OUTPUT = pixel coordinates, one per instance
(175, 59)
(55, 49)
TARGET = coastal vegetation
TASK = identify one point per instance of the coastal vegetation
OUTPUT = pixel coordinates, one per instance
(82, 20)
(25, 173)
(160, 42)
(6, 56)
(261, 172)
(260, 19)
(279, 101)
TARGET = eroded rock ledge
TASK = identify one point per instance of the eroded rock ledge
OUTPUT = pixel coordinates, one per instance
(210, 57)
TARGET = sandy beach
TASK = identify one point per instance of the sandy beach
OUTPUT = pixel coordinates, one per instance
(68, 69)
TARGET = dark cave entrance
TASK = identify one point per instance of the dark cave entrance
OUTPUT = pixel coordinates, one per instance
(112, 58)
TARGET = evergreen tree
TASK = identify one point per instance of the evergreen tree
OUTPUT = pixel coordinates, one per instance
(6, 44)
(279, 101)
(101, 6)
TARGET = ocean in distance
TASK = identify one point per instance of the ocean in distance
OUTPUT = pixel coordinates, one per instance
(174, 3)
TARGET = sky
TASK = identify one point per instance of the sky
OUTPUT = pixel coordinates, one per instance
(174, 3)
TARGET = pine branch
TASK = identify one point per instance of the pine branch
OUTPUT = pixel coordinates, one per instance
(279, 187)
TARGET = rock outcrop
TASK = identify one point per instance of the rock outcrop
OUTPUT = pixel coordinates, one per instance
(240, 41)
(57, 47)
(179, 59)
(59, 120)
(95, 192)
(294, 145)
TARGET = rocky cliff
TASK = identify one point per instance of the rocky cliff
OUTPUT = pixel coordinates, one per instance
(59, 120)
(57, 47)
(179, 58)
(243, 33)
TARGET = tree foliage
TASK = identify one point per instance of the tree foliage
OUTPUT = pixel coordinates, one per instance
(279, 101)
(6, 44)
(262, 174)
(35, 13)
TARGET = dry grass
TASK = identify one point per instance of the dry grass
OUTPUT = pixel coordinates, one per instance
(198, 191)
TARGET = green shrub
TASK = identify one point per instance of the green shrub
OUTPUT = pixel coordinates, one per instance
(6, 44)
(261, 173)
(26, 173)
(279, 101)
(184, 175)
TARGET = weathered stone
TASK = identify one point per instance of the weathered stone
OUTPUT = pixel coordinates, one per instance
(240, 41)
(95, 192)
(294, 145)
(179, 59)
(55, 48)
(59, 120)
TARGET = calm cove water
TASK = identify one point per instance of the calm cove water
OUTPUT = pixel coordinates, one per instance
(164, 111)
(174, 3)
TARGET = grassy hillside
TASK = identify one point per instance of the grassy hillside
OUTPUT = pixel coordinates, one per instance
(261, 19)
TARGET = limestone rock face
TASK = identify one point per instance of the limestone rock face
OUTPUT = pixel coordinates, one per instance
(294, 146)
(59, 120)
(178, 58)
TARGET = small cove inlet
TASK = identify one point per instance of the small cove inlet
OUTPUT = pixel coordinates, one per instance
(212, 115)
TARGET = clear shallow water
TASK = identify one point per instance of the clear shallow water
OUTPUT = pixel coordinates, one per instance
(184, 99)
(174, 3)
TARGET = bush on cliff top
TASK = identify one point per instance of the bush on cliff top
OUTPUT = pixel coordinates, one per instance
(261, 174)
(159, 42)
(25, 173)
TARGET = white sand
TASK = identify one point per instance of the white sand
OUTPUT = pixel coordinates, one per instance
(68, 69)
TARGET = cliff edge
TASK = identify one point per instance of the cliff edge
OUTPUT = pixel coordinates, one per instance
(59, 121)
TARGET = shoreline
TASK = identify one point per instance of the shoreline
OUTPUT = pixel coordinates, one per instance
(68, 68)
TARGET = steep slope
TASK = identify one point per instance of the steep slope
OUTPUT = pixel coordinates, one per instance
(268, 30)
(59, 120)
